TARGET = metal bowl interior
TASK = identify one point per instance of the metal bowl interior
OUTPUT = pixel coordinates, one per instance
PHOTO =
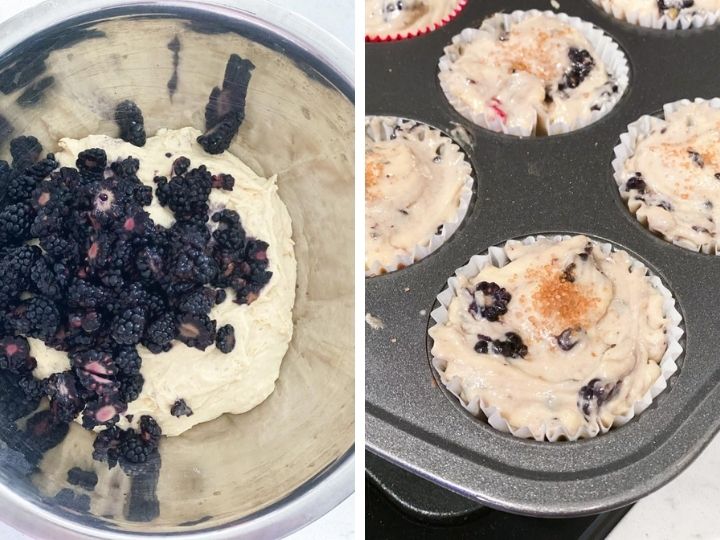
(225, 475)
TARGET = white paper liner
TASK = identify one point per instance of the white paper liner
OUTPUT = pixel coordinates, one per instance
(496, 256)
(603, 46)
(411, 33)
(638, 130)
(420, 251)
(655, 20)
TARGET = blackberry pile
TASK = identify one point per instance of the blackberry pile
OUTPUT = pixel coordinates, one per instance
(87, 271)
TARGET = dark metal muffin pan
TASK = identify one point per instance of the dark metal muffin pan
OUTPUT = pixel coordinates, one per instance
(543, 185)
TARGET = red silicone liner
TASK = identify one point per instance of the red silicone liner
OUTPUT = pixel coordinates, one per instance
(409, 35)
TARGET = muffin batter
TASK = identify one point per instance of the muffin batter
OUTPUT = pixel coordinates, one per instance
(413, 181)
(392, 17)
(210, 382)
(561, 337)
(669, 8)
(528, 76)
(672, 180)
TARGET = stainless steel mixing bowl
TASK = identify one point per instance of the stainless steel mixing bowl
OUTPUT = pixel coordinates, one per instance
(63, 68)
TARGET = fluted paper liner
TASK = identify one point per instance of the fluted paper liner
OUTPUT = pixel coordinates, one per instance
(603, 46)
(636, 131)
(497, 256)
(382, 130)
(375, 38)
(655, 20)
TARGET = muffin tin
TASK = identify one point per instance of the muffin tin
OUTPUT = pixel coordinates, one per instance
(544, 185)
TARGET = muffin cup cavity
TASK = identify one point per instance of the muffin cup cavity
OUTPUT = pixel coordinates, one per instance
(682, 21)
(636, 131)
(382, 128)
(496, 256)
(379, 38)
(603, 46)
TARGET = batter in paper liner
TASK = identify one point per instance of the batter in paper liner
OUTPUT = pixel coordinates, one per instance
(210, 382)
(413, 181)
(537, 72)
(671, 8)
(561, 337)
(672, 180)
(392, 17)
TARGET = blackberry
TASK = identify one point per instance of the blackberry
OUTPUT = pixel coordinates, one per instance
(97, 384)
(225, 340)
(149, 263)
(594, 394)
(664, 5)
(42, 169)
(511, 347)
(19, 187)
(133, 449)
(127, 360)
(84, 479)
(568, 338)
(128, 327)
(150, 431)
(220, 296)
(59, 248)
(15, 355)
(129, 119)
(25, 151)
(131, 387)
(94, 361)
(37, 317)
(223, 181)
(143, 195)
(198, 302)
(106, 446)
(84, 294)
(15, 270)
(581, 64)
(65, 400)
(225, 110)
(49, 278)
(180, 408)
(187, 195)
(126, 168)
(105, 410)
(180, 166)
(15, 222)
(499, 299)
(196, 331)
(160, 333)
(636, 182)
(92, 162)
(34, 389)
(44, 432)
(14, 402)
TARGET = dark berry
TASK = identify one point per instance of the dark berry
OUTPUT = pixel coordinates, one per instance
(15, 355)
(180, 166)
(196, 331)
(198, 302)
(493, 303)
(180, 408)
(131, 387)
(25, 151)
(15, 222)
(106, 446)
(104, 410)
(160, 333)
(37, 317)
(568, 338)
(592, 396)
(225, 340)
(511, 347)
(92, 162)
(127, 360)
(581, 64)
(636, 182)
(130, 120)
(65, 400)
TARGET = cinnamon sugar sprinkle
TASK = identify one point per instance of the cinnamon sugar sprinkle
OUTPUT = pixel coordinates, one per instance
(561, 303)
(373, 171)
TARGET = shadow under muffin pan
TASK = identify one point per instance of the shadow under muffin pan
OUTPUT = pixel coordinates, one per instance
(560, 184)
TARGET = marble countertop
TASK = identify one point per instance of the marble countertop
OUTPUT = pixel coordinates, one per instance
(340, 522)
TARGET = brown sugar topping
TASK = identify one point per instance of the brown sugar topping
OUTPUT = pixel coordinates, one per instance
(562, 303)
(373, 171)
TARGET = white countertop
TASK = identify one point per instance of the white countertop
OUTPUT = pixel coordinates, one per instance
(339, 20)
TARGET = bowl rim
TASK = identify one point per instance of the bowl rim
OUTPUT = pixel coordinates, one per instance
(330, 486)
